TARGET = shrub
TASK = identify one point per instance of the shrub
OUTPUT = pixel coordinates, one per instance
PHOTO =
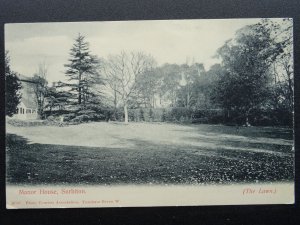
(213, 116)
(114, 115)
(26, 123)
(85, 112)
(79, 119)
(270, 117)
(164, 115)
(131, 115)
(151, 115)
(181, 113)
(142, 115)
(157, 115)
(68, 117)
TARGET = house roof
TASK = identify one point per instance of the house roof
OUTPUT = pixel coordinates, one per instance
(25, 78)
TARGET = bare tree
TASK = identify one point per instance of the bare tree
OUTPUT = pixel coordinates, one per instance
(122, 73)
(284, 79)
(42, 70)
(40, 87)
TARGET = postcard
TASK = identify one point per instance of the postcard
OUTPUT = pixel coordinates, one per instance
(149, 113)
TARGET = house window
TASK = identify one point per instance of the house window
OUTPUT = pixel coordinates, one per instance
(21, 111)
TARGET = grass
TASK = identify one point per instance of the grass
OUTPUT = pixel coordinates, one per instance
(145, 153)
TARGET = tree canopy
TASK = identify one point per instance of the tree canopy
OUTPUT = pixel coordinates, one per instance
(252, 84)
(82, 72)
(12, 86)
(123, 74)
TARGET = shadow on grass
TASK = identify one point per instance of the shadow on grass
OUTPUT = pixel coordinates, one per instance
(146, 163)
(272, 148)
(249, 132)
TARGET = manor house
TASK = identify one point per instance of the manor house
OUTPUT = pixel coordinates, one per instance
(27, 109)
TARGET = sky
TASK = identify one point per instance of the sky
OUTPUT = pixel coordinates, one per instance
(168, 41)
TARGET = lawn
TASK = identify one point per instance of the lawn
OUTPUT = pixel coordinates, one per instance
(148, 153)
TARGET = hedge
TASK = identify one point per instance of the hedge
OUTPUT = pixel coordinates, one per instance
(257, 117)
(176, 114)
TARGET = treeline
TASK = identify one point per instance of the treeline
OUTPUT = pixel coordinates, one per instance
(252, 84)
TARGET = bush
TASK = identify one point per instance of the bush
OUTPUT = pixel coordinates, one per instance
(131, 116)
(178, 114)
(151, 115)
(181, 113)
(259, 117)
(26, 123)
(269, 117)
(68, 117)
(80, 119)
(142, 115)
(112, 114)
(164, 115)
(85, 112)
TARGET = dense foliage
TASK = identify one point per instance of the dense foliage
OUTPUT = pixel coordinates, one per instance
(40, 92)
(251, 85)
(12, 86)
(78, 98)
(82, 72)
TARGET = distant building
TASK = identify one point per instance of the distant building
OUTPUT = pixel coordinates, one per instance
(28, 108)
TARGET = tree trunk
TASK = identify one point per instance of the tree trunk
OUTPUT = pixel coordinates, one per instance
(115, 105)
(153, 101)
(160, 100)
(79, 88)
(125, 113)
(227, 115)
(290, 92)
(188, 97)
(247, 124)
(79, 96)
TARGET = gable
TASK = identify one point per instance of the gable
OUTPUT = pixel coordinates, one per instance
(29, 103)
(27, 94)
(21, 105)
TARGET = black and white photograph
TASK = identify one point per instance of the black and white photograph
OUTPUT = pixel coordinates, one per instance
(149, 113)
